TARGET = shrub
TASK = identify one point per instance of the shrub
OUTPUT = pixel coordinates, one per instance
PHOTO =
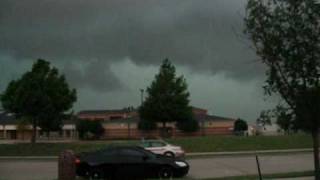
(240, 126)
(145, 125)
(188, 125)
(89, 129)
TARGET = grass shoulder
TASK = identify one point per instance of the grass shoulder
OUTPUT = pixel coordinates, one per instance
(190, 144)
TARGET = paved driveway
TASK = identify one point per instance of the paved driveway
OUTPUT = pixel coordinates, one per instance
(200, 168)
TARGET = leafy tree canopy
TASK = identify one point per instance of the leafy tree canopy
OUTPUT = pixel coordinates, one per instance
(41, 95)
(265, 118)
(89, 129)
(146, 125)
(190, 125)
(285, 119)
(167, 97)
(286, 36)
(240, 125)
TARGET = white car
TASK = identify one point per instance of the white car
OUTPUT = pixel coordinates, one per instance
(162, 147)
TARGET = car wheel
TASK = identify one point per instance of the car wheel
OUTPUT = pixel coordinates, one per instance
(169, 154)
(165, 173)
(87, 174)
(97, 174)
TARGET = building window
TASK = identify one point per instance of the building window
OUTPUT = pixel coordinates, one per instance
(98, 119)
(115, 117)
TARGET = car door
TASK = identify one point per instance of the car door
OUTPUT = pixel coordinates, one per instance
(157, 147)
(132, 162)
(111, 162)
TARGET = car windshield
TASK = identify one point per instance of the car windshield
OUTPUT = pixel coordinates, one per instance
(145, 144)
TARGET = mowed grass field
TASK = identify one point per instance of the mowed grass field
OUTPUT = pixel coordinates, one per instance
(240, 143)
(190, 144)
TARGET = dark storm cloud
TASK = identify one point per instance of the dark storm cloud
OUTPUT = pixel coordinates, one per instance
(198, 34)
(93, 74)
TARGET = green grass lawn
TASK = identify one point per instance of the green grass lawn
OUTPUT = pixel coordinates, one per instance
(239, 143)
(190, 144)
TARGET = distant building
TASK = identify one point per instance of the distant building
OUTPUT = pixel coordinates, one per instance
(123, 124)
(11, 128)
(7, 126)
(252, 130)
(107, 115)
(118, 124)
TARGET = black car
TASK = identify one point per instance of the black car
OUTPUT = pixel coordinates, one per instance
(128, 163)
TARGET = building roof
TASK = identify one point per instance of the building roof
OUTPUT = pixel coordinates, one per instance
(10, 119)
(133, 119)
(198, 117)
(197, 108)
(126, 110)
(203, 118)
(7, 118)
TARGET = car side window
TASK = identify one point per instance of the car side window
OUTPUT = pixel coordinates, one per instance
(146, 144)
(109, 152)
(131, 152)
(158, 144)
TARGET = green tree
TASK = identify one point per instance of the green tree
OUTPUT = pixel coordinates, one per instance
(146, 125)
(285, 119)
(264, 118)
(41, 95)
(240, 126)
(22, 126)
(286, 36)
(167, 98)
(89, 129)
(189, 125)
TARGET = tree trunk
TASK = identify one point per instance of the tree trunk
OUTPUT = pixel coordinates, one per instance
(163, 124)
(34, 131)
(315, 138)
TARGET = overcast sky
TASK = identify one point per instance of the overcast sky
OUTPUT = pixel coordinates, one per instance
(108, 50)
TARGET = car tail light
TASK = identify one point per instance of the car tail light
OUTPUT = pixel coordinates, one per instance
(77, 161)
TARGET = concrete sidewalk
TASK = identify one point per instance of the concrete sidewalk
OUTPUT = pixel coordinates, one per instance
(298, 178)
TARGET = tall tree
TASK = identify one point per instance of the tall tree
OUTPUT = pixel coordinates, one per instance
(167, 98)
(285, 119)
(286, 35)
(41, 95)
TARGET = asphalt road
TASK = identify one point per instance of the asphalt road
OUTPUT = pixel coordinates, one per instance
(200, 168)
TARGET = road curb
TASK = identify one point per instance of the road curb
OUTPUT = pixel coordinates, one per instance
(248, 152)
(200, 154)
(28, 157)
